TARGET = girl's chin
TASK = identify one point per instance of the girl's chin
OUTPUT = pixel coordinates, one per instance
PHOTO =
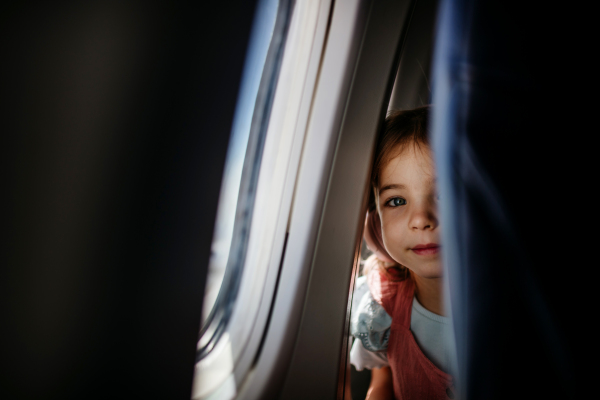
(426, 267)
(428, 271)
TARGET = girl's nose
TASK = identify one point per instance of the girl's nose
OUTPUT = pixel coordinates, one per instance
(423, 218)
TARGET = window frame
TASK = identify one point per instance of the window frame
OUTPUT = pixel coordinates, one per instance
(307, 336)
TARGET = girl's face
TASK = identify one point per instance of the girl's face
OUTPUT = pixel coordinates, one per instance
(407, 206)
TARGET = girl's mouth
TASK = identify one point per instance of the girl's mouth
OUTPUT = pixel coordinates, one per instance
(426, 249)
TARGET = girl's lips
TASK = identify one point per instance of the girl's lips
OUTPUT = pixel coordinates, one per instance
(426, 249)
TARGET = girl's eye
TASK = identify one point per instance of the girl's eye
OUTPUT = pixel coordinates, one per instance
(396, 201)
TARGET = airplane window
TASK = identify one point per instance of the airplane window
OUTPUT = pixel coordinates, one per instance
(280, 271)
(256, 196)
(236, 197)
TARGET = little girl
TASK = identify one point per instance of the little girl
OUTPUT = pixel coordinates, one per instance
(399, 321)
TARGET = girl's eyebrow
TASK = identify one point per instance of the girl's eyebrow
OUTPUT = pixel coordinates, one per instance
(392, 186)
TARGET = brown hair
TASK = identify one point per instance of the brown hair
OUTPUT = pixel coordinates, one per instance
(400, 129)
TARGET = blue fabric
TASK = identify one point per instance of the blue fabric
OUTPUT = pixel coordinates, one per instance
(371, 324)
(510, 105)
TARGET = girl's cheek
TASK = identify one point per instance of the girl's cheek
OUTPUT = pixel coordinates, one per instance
(393, 218)
(393, 238)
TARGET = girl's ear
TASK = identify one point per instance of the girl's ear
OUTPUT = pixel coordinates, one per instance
(374, 238)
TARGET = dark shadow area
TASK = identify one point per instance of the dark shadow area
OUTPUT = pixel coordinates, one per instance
(360, 381)
(514, 111)
(115, 123)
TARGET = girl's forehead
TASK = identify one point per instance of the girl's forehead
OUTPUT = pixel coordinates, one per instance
(413, 162)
